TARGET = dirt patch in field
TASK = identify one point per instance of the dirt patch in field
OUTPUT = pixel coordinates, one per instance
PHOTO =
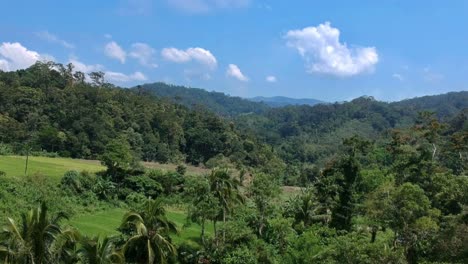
(172, 167)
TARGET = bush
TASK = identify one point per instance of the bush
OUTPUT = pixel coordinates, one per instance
(2, 173)
(168, 181)
(71, 181)
(78, 182)
(143, 184)
(5, 149)
(240, 255)
(181, 169)
(104, 189)
(135, 200)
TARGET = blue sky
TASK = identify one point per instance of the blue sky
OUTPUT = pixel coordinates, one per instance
(328, 50)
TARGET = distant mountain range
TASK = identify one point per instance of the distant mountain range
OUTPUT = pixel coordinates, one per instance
(216, 102)
(444, 105)
(220, 103)
(280, 101)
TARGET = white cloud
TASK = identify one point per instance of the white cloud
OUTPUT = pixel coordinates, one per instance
(199, 55)
(204, 6)
(114, 51)
(14, 56)
(135, 7)
(85, 68)
(234, 71)
(45, 35)
(107, 36)
(191, 74)
(321, 48)
(121, 77)
(398, 77)
(144, 54)
(271, 79)
(111, 76)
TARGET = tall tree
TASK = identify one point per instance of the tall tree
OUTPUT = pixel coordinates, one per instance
(225, 189)
(148, 231)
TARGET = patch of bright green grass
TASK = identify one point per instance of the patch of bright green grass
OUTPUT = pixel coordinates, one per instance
(106, 223)
(103, 223)
(14, 166)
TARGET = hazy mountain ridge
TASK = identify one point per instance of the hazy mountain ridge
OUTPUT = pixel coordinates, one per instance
(216, 102)
(280, 101)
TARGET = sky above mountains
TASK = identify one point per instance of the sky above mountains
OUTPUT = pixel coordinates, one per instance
(328, 50)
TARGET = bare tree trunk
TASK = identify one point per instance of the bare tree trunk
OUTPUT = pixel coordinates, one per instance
(215, 233)
(27, 160)
(224, 225)
(203, 231)
(374, 234)
(434, 150)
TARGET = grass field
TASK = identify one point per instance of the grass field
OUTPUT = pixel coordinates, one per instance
(106, 223)
(14, 166)
(103, 222)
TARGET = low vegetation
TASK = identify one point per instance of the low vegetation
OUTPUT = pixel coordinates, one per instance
(389, 188)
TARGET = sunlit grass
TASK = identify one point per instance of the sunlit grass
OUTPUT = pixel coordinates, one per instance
(106, 222)
(14, 166)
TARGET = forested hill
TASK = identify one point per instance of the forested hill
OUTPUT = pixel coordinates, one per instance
(443, 105)
(216, 102)
(312, 134)
(280, 101)
(49, 107)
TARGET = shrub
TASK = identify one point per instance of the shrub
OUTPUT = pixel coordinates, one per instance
(104, 188)
(168, 181)
(181, 169)
(5, 149)
(143, 184)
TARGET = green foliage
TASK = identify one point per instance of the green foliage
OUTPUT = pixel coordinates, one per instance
(117, 158)
(198, 98)
(142, 184)
(181, 169)
(5, 149)
(242, 255)
(168, 181)
(55, 111)
(148, 234)
(35, 241)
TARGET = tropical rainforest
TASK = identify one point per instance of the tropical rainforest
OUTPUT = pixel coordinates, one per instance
(362, 181)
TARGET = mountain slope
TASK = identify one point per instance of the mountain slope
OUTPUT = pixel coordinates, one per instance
(313, 134)
(216, 102)
(280, 101)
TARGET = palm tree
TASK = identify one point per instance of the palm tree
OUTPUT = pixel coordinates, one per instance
(225, 189)
(149, 231)
(65, 246)
(33, 241)
(100, 250)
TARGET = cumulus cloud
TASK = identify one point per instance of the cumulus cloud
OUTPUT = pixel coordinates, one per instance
(398, 77)
(323, 52)
(121, 77)
(14, 56)
(191, 74)
(144, 53)
(135, 7)
(114, 51)
(234, 71)
(431, 76)
(85, 68)
(199, 55)
(111, 76)
(271, 79)
(204, 6)
(47, 36)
